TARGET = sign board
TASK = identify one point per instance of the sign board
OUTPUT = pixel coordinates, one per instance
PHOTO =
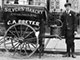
(26, 15)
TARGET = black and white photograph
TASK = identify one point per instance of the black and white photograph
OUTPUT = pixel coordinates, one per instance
(39, 29)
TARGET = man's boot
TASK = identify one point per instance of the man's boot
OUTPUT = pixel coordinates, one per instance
(73, 56)
(67, 55)
(72, 51)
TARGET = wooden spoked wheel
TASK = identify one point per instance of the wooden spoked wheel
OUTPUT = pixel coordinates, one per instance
(22, 39)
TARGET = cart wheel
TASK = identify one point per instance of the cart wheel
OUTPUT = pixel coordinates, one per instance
(22, 39)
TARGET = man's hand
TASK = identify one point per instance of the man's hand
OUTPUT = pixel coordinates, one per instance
(53, 25)
(75, 33)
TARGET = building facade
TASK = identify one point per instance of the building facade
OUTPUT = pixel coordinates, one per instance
(25, 2)
(0, 2)
(57, 5)
(75, 4)
(54, 4)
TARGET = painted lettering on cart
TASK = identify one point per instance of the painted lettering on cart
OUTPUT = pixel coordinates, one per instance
(25, 9)
(23, 22)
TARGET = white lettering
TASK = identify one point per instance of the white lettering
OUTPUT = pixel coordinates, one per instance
(30, 22)
(14, 22)
(37, 23)
(23, 22)
(8, 22)
(33, 22)
(26, 21)
(19, 21)
(27, 9)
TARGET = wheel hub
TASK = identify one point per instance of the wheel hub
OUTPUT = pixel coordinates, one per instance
(21, 39)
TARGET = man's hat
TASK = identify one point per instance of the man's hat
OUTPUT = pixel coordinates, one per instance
(67, 4)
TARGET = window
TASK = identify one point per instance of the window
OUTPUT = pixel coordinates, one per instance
(9, 1)
(26, 2)
(19, 2)
(31, 2)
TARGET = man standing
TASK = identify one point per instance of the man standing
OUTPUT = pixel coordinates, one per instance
(69, 27)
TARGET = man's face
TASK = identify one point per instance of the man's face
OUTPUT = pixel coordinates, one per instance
(68, 7)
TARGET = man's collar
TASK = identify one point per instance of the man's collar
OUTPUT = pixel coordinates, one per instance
(68, 11)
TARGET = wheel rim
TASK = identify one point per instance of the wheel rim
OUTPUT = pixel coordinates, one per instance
(22, 39)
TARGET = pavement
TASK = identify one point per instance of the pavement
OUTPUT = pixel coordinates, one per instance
(7, 56)
(55, 49)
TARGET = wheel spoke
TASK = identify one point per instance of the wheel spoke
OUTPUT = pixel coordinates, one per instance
(16, 39)
(29, 34)
(12, 33)
(2, 41)
(21, 30)
(31, 38)
(16, 31)
(29, 47)
(16, 45)
(33, 45)
(25, 31)
(13, 45)
(25, 48)
(21, 47)
(16, 48)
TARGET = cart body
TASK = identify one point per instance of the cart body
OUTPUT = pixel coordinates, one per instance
(31, 15)
(22, 24)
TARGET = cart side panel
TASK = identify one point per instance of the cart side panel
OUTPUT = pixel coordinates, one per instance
(26, 15)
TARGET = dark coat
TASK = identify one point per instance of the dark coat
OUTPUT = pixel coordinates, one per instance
(69, 23)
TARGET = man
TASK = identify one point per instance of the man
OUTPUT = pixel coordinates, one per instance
(69, 27)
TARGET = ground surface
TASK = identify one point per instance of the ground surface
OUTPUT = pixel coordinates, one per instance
(6, 56)
(56, 46)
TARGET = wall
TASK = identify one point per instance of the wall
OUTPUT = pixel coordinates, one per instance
(62, 2)
(0, 2)
(38, 2)
(75, 5)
